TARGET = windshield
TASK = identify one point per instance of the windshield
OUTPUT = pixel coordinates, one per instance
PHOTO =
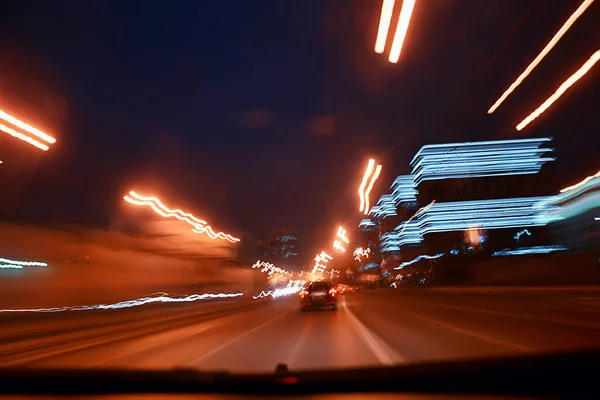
(233, 185)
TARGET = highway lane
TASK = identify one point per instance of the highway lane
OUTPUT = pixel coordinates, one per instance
(378, 327)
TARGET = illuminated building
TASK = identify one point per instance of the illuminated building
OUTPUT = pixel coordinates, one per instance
(280, 248)
(459, 195)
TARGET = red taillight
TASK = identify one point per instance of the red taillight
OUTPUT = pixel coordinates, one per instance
(303, 293)
(332, 292)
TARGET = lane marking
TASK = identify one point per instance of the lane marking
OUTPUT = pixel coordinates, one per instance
(384, 353)
(235, 339)
(511, 315)
(162, 339)
(107, 338)
(299, 344)
(471, 333)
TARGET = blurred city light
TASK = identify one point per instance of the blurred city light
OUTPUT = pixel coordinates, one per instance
(401, 29)
(338, 245)
(360, 253)
(387, 9)
(521, 233)
(130, 303)
(26, 127)
(23, 137)
(270, 269)
(583, 182)
(574, 200)
(293, 287)
(7, 263)
(542, 54)
(341, 234)
(561, 89)
(419, 258)
(198, 225)
(529, 251)
(363, 184)
(466, 215)
(370, 187)
(320, 260)
(478, 159)
(341, 238)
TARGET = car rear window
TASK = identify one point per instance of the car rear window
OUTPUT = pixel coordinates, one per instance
(320, 286)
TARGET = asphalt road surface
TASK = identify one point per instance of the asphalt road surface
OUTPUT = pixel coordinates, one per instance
(372, 327)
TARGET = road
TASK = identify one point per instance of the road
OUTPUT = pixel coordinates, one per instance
(370, 328)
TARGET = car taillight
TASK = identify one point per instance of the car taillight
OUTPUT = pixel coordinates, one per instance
(332, 292)
(303, 293)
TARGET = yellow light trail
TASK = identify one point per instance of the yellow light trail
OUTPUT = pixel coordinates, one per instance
(384, 25)
(24, 138)
(28, 128)
(542, 54)
(401, 29)
(583, 182)
(561, 89)
(370, 187)
(361, 188)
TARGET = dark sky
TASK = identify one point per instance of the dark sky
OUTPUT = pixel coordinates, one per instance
(257, 114)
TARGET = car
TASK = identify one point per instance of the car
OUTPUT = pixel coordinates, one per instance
(319, 294)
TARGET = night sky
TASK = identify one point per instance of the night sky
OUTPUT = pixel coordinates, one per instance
(261, 114)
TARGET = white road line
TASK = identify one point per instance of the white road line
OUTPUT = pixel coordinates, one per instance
(161, 339)
(299, 343)
(384, 353)
(219, 348)
(474, 334)
(512, 315)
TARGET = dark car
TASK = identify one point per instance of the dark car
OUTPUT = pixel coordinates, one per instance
(319, 295)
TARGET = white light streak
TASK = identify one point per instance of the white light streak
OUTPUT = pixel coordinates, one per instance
(401, 29)
(7, 263)
(529, 250)
(384, 25)
(419, 258)
(129, 303)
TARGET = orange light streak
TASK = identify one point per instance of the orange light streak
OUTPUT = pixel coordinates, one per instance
(370, 187)
(24, 138)
(561, 89)
(401, 29)
(361, 188)
(542, 54)
(20, 124)
(199, 226)
(163, 210)
(583, 182)
(384, 25)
